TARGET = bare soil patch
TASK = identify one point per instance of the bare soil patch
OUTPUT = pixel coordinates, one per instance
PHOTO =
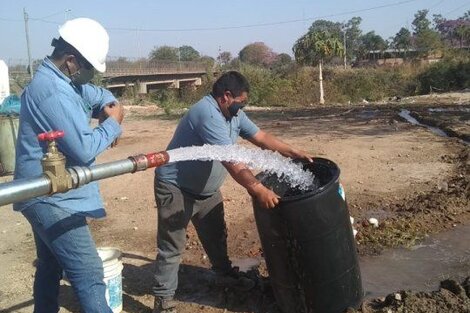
(414, 182)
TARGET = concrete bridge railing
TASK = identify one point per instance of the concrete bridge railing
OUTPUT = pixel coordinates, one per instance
(115, 69)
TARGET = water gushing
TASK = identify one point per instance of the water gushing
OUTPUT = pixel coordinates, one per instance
(265, 160)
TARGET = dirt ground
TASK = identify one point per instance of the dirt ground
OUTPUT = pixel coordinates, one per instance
(414, 182)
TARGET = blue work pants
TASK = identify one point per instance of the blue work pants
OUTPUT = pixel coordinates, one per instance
(64, 244)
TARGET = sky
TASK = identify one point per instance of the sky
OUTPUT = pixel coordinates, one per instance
(210, 26)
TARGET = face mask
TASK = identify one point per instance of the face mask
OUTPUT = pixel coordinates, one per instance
(235, 107)
(83, 76)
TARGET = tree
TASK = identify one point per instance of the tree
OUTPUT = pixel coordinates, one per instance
(402, 40)
(462, 32)
(371, 42)
(353, 37)
(282, 59)
(333, 28)
(188, 53)
(224, 58)
(453, 32)
(427, 39)
(208, 60)
(164, 53)
(282, 63)
(257, 53)
(315, 47)
(421, 23)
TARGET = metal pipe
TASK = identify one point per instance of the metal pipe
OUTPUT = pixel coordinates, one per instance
(23, 189)
(28, 188)
(112, 169)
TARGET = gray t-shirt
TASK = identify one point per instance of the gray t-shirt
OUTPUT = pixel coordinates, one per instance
(204, 123)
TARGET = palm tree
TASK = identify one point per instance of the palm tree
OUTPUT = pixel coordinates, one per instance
(316, 47)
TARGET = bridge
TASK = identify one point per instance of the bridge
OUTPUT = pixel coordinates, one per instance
(146, 76)
(141, 75)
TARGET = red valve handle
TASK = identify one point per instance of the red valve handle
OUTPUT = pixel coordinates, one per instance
(53, 135)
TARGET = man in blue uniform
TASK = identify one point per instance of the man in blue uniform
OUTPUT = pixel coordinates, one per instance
(60, 98)
(190, 190)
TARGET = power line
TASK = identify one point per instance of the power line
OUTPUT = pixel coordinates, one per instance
(436, 5)
(456, 9)
(43, 20)
(40, 19)
(261, 24)
(9, 20)
(54, 14)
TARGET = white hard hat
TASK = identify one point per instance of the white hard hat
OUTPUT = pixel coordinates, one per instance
(89, 38)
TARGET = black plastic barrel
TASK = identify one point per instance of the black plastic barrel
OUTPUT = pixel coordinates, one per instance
(309, 246)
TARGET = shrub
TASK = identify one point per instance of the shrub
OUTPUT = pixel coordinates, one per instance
(299, 86)
(168, 99)
(452, 73)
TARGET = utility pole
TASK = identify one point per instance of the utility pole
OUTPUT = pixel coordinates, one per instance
(179, 58)
(30, 65)
(66, 14)
(344, 46)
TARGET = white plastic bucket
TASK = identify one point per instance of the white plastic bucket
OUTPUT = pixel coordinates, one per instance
(112, 266)
(4, 81)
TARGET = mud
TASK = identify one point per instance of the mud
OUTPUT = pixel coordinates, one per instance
(452, 297)
(453, 120)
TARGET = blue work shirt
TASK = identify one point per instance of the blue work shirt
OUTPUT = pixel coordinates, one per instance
(204, 123)
(52, 102)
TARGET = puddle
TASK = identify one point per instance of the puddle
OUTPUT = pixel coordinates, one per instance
(420, 268)
(406, 115)
(367, 114)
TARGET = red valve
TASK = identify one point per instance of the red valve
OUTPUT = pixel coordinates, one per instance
(53, 135)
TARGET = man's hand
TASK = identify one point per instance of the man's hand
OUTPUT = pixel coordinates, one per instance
(300, 154)
(114, 110)
(267, 141)
(267, 198)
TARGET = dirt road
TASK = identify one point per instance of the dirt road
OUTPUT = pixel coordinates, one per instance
(413, 181)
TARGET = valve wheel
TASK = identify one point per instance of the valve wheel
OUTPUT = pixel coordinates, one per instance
(52, 135)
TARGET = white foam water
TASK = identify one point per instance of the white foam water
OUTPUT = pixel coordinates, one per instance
(265, 160)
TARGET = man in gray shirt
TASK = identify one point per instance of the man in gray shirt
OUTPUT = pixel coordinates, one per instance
(190, 190)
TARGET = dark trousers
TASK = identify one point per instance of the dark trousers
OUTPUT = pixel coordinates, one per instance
(175, 209)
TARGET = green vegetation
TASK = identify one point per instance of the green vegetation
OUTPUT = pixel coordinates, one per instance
(343, 59)
(299, 85)
(320, 44)
(452, 73)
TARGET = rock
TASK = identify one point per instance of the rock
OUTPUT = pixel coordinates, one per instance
(374, 222)
(124, 198)
(443, 186)
(398, 297)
